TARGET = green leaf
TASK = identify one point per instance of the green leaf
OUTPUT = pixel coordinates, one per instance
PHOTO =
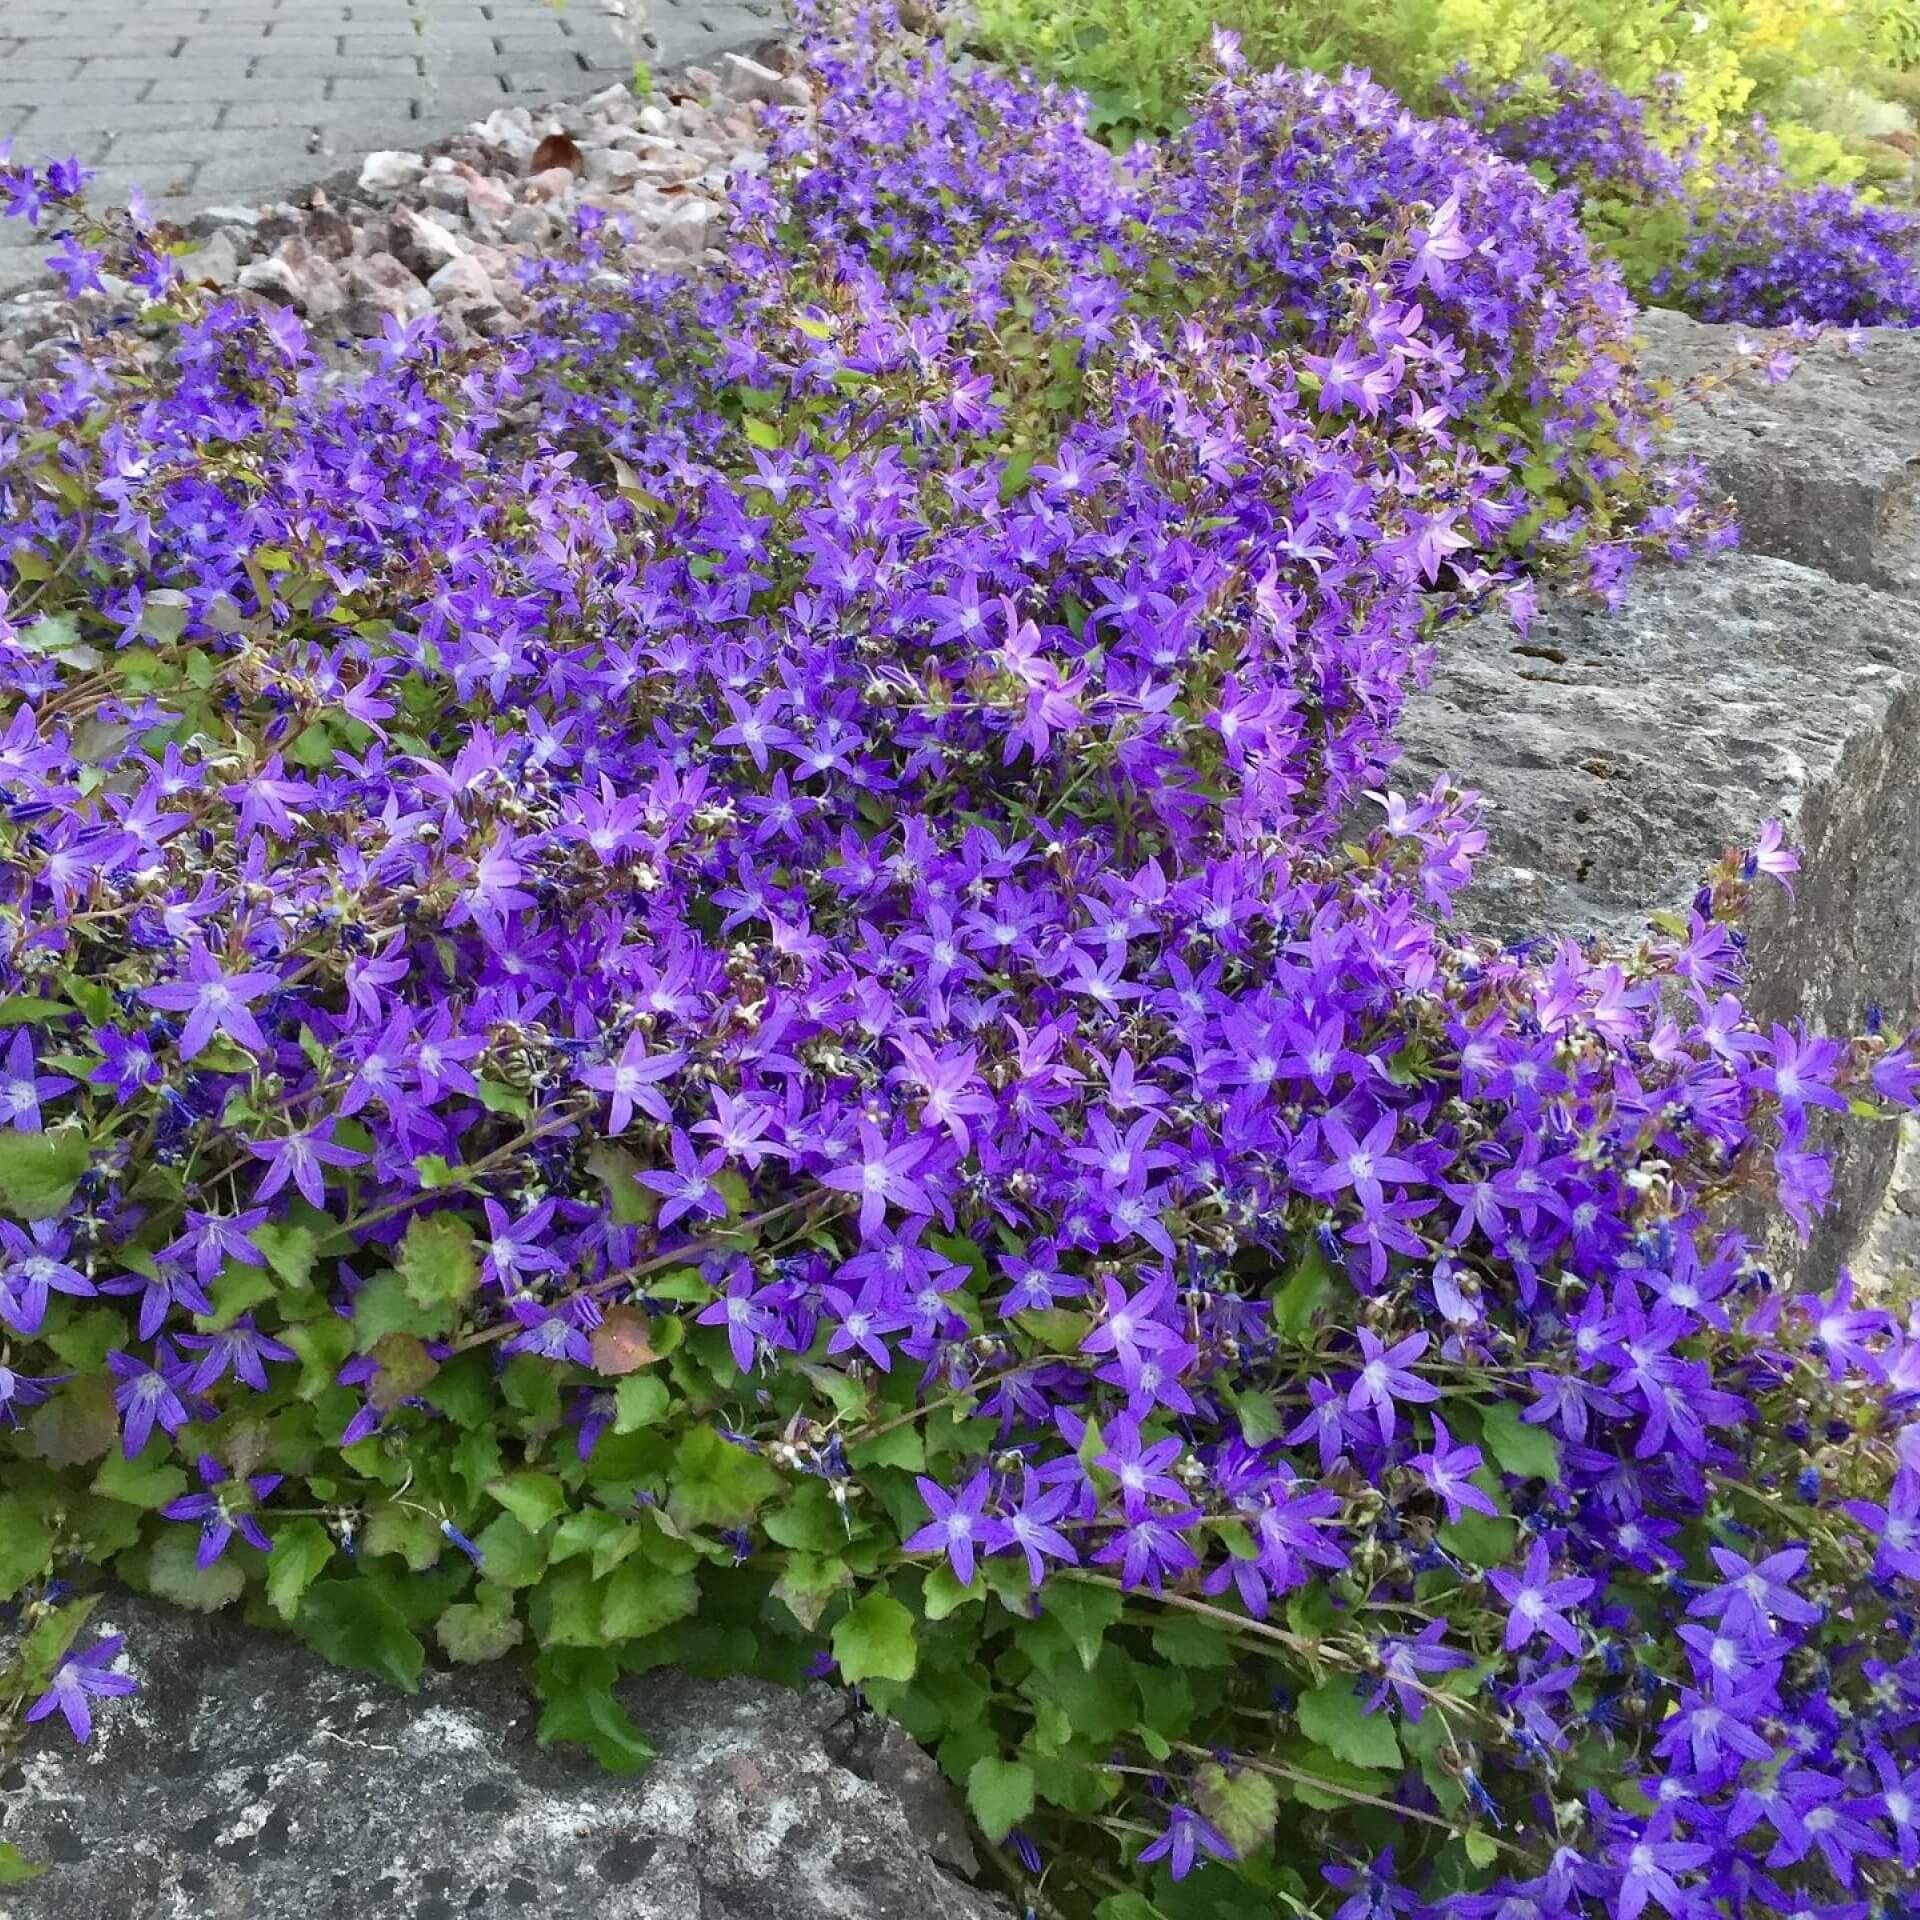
(15, 1867)
(641, 1599)
(79, 1423)
(172, 1574)
(943, 1594)
(353, 1624)
(383, 1305)
(1260, 1418)
(809, 1518)
(1530, 1452)
(1482, 1848)
(436, 1261)
(236, 1290)
(875, 1641)
(497, 1098)
(716, 1483)
(145, 1482)
(26, 1547)
(1086, 1612)
(475, 1457)
(1299, 1297)
(1335, 1717)
(577, 1685)
(510, 1555)
(39, 1171)
(1243, 1805)
(903, 1447)
(638, 1401)
(411, 1536)
(301, 1550)
(405, 1368)
(323, 1346)
(1187, 1641)
(607, 1537)
(483, 1628)
(807, 1585)
(1479, 1540)
(532, 1498)
(30, 1010)
(999, 1794)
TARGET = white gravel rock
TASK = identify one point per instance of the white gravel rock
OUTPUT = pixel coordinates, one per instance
(511, 129)
(463, 283)
(615, 103)
(391, 171)
(746, 79)
(454, 230)
(217, 262)
(432, 243)
(443, 187)
(613, 167)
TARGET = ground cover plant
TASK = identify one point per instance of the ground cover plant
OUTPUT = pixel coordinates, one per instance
(1690, 133)
(1723, 232)
(725, 985)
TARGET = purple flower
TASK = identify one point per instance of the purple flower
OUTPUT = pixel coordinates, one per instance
(743, 1313)
(1894, 1525)
(515, 1249)
(689, 1187)
(1446, 1469)
(302, 1158)
(882, 1177)
(1404, 1662)
(19, 1390)
(81, 1677)
(149, 1395)
(1648, 1865)
(222, 1509)
(1536, 1604)
(214, 1001)
(35, 1269)
(1384, 1378)
(959, 1524)
(1187, 1835)
(631, 1079)
(23, 1088)
(1029, 1526)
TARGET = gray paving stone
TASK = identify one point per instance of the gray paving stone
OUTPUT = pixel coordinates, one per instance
(160, 44)
(268, 114)
(387, 86)
(181, 85)
(205, 100)
(23, 68)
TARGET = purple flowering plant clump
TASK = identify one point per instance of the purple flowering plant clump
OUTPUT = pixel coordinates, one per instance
(734, 984)
(1722, 230)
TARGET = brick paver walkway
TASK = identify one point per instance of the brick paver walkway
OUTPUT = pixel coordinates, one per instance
(201, 102)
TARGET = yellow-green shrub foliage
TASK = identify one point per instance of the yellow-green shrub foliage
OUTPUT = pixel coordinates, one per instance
(1730, 58)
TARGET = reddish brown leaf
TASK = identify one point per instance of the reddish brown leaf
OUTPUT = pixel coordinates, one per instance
(405, 1366)
(557, 150)
(623, 1342)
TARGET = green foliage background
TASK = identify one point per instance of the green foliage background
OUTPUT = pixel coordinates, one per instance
(1816, 68)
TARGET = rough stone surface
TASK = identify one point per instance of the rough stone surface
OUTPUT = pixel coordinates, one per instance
(1825, 466)
(1621, 755)
(250, 1781)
